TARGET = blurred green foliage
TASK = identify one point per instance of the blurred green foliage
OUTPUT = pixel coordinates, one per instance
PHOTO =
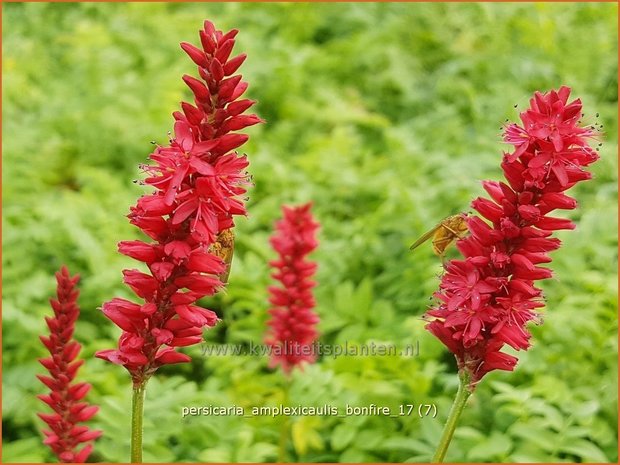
(387, 117)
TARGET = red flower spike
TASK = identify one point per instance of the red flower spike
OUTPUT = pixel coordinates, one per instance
(292, 327)
(199, 185)
(486, 300)
(64, 436)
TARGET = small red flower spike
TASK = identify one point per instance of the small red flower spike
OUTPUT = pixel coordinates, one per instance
(292, 327)
(66, 434)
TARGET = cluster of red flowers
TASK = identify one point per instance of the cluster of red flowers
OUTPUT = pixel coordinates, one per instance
(198, 185)
(65, 435)
(292, 327)
(486, 299)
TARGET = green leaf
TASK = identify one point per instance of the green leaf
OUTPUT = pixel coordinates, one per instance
(496, 447)
(585, 450)
(24, 450)
(342, 436)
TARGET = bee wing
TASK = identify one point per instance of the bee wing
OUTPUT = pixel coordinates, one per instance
(425, 237)
(227, 255)
(442, 240)
(228, 250)
(224, 276)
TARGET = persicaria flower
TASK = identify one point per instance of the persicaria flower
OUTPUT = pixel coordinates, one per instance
(292, 326)
(486, 300)
(199, 183)
(66, 398)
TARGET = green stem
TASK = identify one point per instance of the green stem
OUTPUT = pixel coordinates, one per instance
(137, 413)
(462, 395)
(284, 426)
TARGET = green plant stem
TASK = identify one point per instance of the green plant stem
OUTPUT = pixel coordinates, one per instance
(137, 414)
(462, 395)
(284, 426)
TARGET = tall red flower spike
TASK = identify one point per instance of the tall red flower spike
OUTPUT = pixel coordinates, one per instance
(65, 434)
(199, 182)
(292, 327)
(486, 300)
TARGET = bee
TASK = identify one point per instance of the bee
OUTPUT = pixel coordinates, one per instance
(444, 233)
(224, 248)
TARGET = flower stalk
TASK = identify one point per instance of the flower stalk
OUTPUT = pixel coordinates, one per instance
(137, 415)
(284, 426)
(487, 299)
(292, 326)
(199, 182)
(460, 400)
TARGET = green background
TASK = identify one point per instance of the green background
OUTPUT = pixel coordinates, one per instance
(387, 116)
